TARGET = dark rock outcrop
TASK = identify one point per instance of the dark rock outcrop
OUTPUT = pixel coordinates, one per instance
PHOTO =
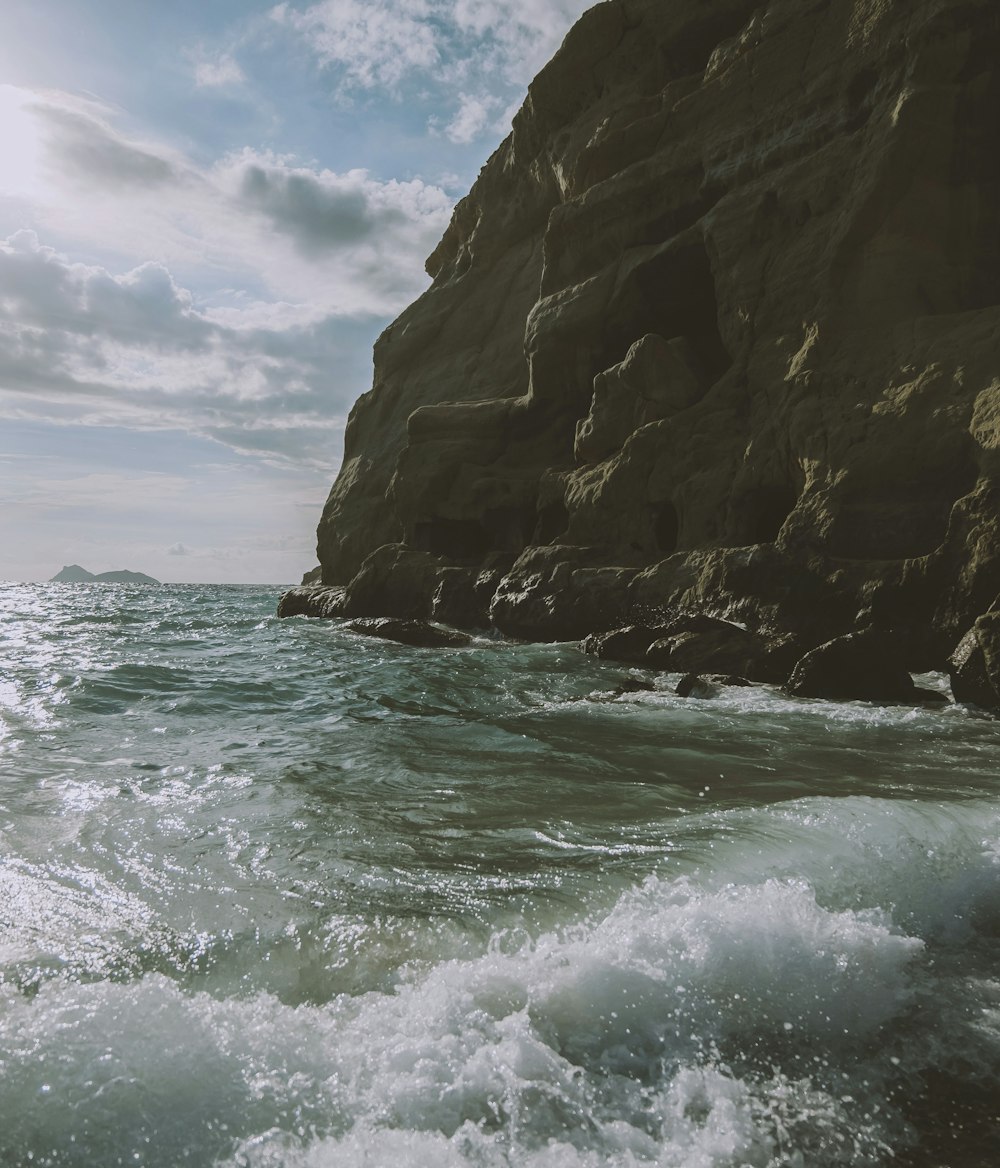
(863, 666)
(630, 644)
(694, 685)
(696, 643)
(975, 664)
(714, 331)
(312, 600)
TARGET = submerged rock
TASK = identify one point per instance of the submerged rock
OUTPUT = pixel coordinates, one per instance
(418, 633)
(713, 331)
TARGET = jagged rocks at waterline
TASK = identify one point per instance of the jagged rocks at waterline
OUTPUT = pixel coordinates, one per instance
(868, 665)
(694, 685)
(714, 331)
(975, 664)
(312, 600)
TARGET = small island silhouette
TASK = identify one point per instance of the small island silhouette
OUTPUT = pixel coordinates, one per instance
(74, 574)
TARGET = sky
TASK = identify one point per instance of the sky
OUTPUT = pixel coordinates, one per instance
(208, 212)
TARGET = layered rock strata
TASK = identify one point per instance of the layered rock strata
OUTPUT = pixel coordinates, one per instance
(715, 331)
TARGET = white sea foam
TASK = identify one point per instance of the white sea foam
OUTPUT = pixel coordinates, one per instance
(314, 904)
(649, 1036)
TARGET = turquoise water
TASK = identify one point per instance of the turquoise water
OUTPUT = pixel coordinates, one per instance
(274, 894)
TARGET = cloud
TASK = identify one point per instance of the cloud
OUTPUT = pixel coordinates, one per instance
(441, 47)
(263, 221)
(236, 302)
(324, 210)
(177, 549)
(81, 344)
(87, 147)
(373, 43)
(218, 72)
(473, 116)
(44, 292)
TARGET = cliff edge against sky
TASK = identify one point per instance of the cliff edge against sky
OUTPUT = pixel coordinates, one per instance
(715, 330)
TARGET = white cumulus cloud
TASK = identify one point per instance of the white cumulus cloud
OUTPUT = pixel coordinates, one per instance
(81, 344)
(473, 56)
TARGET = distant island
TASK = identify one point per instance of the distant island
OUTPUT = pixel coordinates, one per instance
(74, 574)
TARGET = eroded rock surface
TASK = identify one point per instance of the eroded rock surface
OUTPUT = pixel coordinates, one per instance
(975, 664)
(714, 331)
(312, 600)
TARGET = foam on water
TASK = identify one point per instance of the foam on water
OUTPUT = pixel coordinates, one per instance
(702, 1021)
(273, 895)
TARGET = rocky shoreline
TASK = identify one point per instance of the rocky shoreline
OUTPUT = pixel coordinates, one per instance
(866, 665)
(709, 360)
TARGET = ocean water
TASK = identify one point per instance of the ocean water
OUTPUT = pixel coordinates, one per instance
(274, 894)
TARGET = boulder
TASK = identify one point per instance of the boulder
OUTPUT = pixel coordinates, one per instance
(694, 685)
(629, 644)
(395, 581)
(697, 643)
(318, 600)
(701, 644)
(463, 595)
(975, 665)
(420, 634)
(863, 666)
(552, 594)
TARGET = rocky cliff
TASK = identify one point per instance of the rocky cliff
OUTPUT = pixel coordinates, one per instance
(715, 331)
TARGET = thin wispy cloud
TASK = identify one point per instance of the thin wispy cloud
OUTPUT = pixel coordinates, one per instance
(85, 147)
(218, 72)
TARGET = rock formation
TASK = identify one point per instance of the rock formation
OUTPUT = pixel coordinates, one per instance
(714, 332)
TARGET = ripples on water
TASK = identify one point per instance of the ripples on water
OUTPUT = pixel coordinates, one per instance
(273, 894)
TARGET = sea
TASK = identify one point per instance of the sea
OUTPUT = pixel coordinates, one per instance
(274, 894)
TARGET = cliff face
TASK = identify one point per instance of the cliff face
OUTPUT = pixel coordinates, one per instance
(716, 329)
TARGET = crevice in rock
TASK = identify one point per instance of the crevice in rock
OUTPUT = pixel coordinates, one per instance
(553, 521)
(760, 513)
(456, 539)
(470, 541)
(671, 294)
(510, 528)
(666, 527)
